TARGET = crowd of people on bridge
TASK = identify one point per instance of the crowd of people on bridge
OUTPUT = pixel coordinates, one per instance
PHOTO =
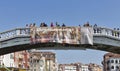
(43, 24)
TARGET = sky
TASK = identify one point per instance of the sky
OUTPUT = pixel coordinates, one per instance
(104, 13)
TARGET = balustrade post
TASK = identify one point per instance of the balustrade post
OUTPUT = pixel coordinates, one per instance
(17, 32)
(95, 30)
(104, 31)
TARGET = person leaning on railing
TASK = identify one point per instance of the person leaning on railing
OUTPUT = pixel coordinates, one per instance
(118, 33)
(63, 25)
(43, 24)
(57, 25)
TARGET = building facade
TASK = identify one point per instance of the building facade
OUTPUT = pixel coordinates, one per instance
(7, 60)
(95, 67)
(114, 64)
(84, 67)
(111, 62)
(73, 67)
(79, 67)
(42, 61)
(17, 60)
(21, 59)
(67, 67)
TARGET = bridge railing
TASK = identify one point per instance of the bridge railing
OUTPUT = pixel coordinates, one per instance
(14, 33)
(106, 32)
(19, 32)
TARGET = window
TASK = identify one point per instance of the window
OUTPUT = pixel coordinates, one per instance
(34, 65)
(108, 68)
(37, 61)
(51, 56)
(108, 62)
(116, 61)
(117, 67)
(112, 67)
(112, 61)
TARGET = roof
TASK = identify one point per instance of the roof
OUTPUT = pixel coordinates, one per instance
(112, 55)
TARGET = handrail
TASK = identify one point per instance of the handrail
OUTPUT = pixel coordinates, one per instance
(26, 31)
(14, 32)
(106, 31)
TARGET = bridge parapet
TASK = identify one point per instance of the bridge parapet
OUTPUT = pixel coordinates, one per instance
(101, 31)
(21, 32)
(17, 32)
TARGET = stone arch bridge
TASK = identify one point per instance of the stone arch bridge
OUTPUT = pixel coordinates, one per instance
(98, 38)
